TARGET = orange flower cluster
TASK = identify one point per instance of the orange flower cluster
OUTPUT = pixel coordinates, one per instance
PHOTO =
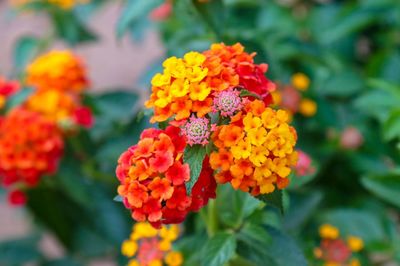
(59, 78)
(153, 177)
(189, 84)
(255, 150)
(30, 146)
(335, 251)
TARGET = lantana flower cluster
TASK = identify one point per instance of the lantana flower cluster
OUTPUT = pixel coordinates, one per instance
(217, 103)
(335, 250)
(255, 151)
(292, 99)
(32, 134)
(30, 146)
(148, 246)
(59, 78)
(153, 176)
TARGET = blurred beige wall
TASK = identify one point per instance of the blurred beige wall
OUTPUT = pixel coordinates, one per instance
(111, 63)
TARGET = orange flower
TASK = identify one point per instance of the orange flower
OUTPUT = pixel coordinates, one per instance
(230, 135)
(59, 70)
(30, 146)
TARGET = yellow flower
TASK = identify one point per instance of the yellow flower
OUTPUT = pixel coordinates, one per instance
(307, 107)
(194, 59)
(2, 101)
(179, 88)
(196, 74)
(174, 258)
(164, 98)
(267, 187)
(251, 122)
(258, 155)
(241, 150)
(164, 245)
(257, 136)
(355, 243)
(199, 92)
(160, 80)
(53, 104)
(133, 263)
(331, 263)
(170, 233)
(129, 248)
(155, 262)
(143, 230)
(175, 67)
(269, 119)
(328, 231)
(354, 262)
(300, 81)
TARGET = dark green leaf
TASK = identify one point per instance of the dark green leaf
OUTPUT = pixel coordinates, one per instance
(19, 251)
(246, 93)
(386, 187)
(218, 250)
(280, 251)
(117, 105)
(274, 199)
(194, 157)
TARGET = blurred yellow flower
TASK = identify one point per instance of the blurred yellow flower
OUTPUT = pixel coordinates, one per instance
(328, 231)
(307, 107)
(355, 243)
(300, 81)
(174, 258)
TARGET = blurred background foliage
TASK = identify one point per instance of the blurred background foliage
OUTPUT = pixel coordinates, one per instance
(350, 50)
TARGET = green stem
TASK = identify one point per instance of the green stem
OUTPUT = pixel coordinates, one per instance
(212, 218)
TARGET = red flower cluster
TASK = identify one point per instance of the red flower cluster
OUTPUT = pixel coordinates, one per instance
(153, 176)
(30, 146)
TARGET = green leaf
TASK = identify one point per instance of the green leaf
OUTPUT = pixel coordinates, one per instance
(363, 223)
(133, 12)
(70, 28)
(194, 157)
(391, 127)
(256, 234)
(116, 105)
(19, 251)
(24, 51)
(274, 199)
(277, 250)
(218, 250)
(246, 93)
(343, 84)
(234, 206)
(386, 187)
(67, 261)
(18, 98)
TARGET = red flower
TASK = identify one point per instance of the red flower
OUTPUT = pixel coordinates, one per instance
(178, 173)
(16, 198)
(83, 116)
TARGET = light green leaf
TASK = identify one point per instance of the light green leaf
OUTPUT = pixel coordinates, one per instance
(134, 11)
(24, 51)
(18, 98)
(194, 157)
(218, 250)
(391, 127)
